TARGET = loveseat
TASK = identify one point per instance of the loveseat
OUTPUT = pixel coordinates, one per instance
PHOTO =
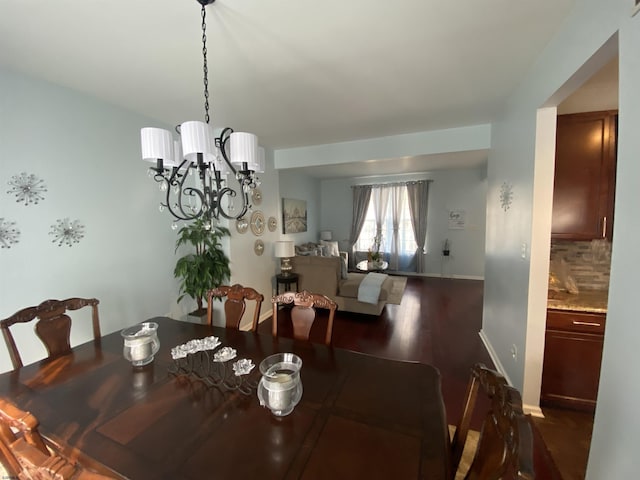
(328, 276)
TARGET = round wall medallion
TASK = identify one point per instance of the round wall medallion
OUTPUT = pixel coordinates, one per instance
(258, 247)
(256, 195)
(257, 223)
(242, 225)
(273, 224)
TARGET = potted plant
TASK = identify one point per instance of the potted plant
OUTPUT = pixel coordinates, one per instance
(445, 249)
(374, 257)
(208, 267)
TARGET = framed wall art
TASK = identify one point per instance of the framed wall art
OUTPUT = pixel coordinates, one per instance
(294, 215)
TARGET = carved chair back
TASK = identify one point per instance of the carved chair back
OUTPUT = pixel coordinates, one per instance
(235, 304)
(505, 448)
(53, 326)
(303, 313)
(25, 454)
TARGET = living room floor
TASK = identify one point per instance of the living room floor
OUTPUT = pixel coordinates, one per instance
(437, 323)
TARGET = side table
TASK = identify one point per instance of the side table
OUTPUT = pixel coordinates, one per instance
(287, 281)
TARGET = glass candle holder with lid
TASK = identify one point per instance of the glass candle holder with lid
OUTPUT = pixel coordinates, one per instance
(141, 343)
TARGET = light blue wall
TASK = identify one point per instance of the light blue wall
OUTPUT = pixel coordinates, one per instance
(590, 25)
(88, 154)
(456, 189)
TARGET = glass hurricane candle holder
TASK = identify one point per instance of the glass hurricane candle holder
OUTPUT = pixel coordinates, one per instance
(141, 343)
(280, 388)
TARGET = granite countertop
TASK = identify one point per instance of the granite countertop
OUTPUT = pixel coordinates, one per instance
(593, 301)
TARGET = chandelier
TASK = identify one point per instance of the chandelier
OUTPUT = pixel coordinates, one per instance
(193, 171)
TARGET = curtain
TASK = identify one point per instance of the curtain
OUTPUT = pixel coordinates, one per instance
(396, 192)
(380, 200)
(418, 193)
(361, 197)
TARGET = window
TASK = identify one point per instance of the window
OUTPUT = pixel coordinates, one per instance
(406, 241)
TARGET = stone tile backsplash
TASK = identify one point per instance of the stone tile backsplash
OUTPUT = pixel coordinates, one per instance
(589, 262)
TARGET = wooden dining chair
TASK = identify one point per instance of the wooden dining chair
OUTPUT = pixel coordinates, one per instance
(53, 326)
(235, 304)
(25, 454)
(505, 447)
(303, 313)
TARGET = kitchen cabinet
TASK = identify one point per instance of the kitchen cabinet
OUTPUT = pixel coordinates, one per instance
(572, 357)
(584, 180)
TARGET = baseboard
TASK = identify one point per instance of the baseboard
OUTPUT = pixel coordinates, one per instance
(438, 275)
(246, 325)
(533, 410)
(494, 356)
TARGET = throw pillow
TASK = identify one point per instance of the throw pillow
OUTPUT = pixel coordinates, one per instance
(332, 248)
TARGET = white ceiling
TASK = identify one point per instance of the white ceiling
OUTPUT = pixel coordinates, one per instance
(295, 72)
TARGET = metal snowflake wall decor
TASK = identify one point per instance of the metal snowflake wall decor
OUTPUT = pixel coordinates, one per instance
(67, 232)
(8, 233)
(27, 188)
(506, 196)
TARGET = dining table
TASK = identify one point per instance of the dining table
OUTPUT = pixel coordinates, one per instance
(360, 416)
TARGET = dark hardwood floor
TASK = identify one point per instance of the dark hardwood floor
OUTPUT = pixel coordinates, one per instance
(438, 323)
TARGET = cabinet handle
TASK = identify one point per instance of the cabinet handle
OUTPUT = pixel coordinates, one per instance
(590, 324)
(604, 227)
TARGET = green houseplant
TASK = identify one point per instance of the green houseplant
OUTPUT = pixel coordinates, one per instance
(208, 267)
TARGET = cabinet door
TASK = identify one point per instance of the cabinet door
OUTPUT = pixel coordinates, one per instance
(571, 369)
(584, 180)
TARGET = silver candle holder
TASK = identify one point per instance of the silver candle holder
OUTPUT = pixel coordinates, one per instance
(280, 388)
(141, 343)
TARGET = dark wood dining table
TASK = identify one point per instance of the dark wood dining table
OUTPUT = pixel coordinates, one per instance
(360, 417)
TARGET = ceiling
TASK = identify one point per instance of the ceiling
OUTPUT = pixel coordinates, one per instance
(295, 72)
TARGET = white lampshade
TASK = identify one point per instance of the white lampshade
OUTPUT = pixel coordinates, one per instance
(243, 148)
(157, 143)
(177, 155)
(198, 137)
(284, 249)
(259, 165)
(326, 235)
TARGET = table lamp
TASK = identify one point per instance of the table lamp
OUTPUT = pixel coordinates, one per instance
(284, 250)
(326, 235)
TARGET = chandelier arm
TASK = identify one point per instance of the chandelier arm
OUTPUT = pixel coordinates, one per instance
(232, 193)
(177, 181)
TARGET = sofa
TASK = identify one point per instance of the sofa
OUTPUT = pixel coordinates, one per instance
(328, 276)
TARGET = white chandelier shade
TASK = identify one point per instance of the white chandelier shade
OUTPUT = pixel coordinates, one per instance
(243, 148)
(198, 137)
(157, 144)
(259, 165)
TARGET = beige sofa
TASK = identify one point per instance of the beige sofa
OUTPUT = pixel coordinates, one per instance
(325, 275)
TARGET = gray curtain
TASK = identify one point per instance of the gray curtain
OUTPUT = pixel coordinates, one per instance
(396, 192)
(361, 197)
(418, 193)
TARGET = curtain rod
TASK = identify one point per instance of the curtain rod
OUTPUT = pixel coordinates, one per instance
(393, 184)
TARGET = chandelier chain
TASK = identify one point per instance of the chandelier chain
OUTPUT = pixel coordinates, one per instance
(205, 68)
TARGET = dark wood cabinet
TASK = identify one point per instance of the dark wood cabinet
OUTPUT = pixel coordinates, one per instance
(572, 357)
(584, 180)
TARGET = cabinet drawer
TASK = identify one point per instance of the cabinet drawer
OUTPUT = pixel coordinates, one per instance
(576, 321)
